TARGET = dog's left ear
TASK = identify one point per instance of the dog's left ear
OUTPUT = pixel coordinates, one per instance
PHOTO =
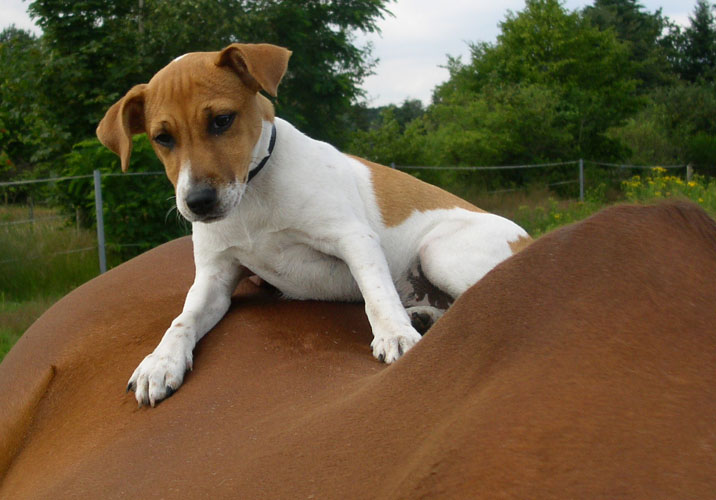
(260, 66)
(123, 120)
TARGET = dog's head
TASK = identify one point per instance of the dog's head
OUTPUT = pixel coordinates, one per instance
(204, 115)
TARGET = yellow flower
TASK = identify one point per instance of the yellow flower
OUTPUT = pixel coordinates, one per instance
(701, 200)
(658, 170)
(692, 184)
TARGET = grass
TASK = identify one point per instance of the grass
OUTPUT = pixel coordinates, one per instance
(30, 281)
(16, 317)
(42, 258)
(40, 261)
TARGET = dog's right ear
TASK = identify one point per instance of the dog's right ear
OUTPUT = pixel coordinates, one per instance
(123, 120)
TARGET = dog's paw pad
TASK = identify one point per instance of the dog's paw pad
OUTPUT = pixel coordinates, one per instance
(421, 322)
(423, 317)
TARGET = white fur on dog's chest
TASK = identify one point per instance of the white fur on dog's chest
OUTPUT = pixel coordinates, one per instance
(298, 270)
(281, 257)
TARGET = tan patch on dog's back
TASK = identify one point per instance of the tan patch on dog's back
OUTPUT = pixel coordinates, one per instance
(400, 194)
(520, 244)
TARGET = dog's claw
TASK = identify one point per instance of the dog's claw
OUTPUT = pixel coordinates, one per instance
(170, 391)
(130, 387)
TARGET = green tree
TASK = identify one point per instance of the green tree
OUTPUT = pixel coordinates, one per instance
(698, 56)
(96, 50)
(587, 72)
(676, 127)
(549, 89)
(641, 31)
(26, 134)
(327, 67)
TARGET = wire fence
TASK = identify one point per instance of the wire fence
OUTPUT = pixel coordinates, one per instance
(577, 177)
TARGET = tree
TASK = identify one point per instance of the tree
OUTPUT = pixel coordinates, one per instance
(587, 72)
(641, 31)
(698, 57)
(26, 134)
(549, 89)
(326, 68)
(676, 127)
(95, 50)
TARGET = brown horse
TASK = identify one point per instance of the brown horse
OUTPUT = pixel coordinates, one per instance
(582, 367)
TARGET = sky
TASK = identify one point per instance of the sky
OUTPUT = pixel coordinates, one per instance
(415, 41)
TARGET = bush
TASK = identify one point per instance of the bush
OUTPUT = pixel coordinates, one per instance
(137, 208)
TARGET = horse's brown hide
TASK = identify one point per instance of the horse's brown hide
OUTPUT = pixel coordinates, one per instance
(583, 367)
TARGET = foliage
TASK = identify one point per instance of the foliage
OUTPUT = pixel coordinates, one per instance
(676, 127)
(658, 185)
(327, 67)
(698, 45)
(641, 31)
(26, 135)
(548, 90)
(96, 50)
(138, 210)
(587, 71)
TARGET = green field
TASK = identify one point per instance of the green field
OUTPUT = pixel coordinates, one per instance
(40, 262)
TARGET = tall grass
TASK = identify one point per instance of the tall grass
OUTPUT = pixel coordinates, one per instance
(43, 258)
(40, 261)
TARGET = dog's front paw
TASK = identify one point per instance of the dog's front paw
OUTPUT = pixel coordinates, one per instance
(159, 375)
(389, 348)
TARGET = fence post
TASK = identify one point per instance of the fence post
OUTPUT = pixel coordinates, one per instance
(100, 221)
(689, 172)
(581, 179)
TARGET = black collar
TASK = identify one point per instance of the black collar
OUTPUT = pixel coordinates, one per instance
(258, 167)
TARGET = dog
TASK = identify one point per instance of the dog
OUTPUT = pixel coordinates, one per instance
(266, 200)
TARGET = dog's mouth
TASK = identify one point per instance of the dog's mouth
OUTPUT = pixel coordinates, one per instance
(209, 218)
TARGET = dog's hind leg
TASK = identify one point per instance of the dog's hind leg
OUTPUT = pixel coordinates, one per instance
(456, 254)
(423, 301)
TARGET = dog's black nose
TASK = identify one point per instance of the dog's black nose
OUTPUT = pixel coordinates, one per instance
(201, 200)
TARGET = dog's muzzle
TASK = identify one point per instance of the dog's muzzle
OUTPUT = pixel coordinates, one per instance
(202, 200)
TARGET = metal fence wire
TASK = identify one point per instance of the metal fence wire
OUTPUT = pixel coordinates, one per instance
(97, 177)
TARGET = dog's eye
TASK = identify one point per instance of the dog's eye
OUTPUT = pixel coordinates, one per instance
(165, 140)
(221, 123)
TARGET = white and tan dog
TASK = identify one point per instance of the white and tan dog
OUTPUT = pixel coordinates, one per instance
(313, 222)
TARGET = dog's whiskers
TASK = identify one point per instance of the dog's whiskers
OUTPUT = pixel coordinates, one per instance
(179, 217)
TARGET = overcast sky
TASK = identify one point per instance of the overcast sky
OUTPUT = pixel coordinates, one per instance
(416, 40)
